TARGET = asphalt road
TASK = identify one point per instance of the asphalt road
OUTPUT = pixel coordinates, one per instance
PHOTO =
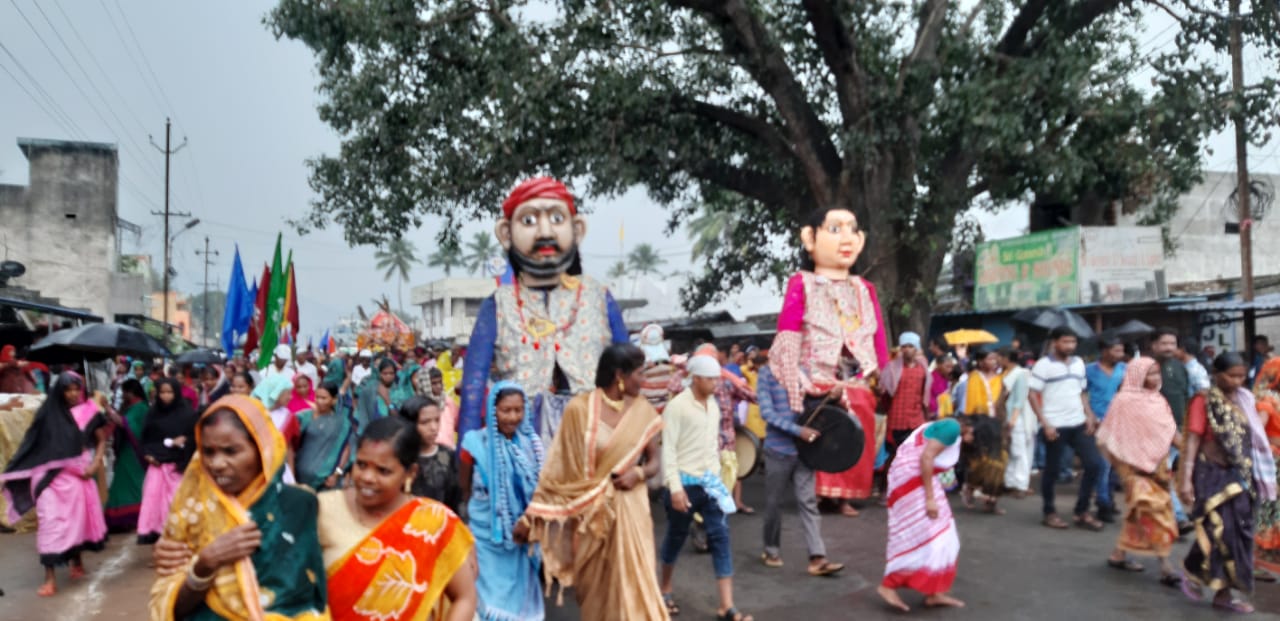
(1010, 568)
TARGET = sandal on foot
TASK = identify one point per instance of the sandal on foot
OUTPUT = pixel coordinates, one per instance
(669, 601)
(1190, 590)
(77, 572)
(1125, 565)
(47, 590)
(732, 614)
(1055, 522)
(827, 568)
(1171, 580)
(1088, 522)
(770, 561)
(1234, 605)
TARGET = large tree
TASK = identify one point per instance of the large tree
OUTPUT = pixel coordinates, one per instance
(907, 112)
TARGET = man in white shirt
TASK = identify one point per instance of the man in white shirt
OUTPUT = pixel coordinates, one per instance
(361, 369)
(281, 363)
(691, 472)
(1061, 403)
(305, 367)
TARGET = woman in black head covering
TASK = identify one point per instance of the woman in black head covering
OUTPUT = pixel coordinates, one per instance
(54, 471)
(168, 442)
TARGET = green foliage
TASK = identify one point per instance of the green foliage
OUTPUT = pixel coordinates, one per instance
(643, 260)
(908, 112)
(480, 249)
(447, 256)
(397, 258)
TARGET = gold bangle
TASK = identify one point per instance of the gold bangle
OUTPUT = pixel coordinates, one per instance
(195, 582)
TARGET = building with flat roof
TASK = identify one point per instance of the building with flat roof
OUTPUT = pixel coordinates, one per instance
(449, 306)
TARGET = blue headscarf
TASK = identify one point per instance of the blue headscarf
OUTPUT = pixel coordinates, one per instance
(521, 456)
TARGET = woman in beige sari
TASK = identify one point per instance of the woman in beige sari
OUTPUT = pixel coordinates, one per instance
(590, 511)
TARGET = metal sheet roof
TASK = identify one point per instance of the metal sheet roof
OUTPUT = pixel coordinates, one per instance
(50, 309)
(1270, 301)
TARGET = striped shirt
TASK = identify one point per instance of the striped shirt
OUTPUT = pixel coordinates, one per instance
(1060, 383)
(775, 409)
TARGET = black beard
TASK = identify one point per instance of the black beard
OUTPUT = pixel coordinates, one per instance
(523, 264)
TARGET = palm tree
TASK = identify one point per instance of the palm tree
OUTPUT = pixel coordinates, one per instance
(709, 231)
(480, 249)
(446, 257)
(618, 271)
(644, 260)
(397, 258)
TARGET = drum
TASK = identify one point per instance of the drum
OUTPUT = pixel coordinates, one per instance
(841, 444)
(746, 445)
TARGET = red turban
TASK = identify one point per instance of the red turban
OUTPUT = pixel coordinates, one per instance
(537, 187)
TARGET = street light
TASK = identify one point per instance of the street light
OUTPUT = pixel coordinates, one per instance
(168, 247)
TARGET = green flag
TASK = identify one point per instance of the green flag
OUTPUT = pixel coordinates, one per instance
(275, 307)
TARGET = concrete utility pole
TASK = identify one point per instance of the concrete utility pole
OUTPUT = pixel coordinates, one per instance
(1242, 174)
(204, 321)
(168, 152)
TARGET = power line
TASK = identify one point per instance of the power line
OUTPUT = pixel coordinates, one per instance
(136, 65)
(145, 62)
(36, 100)
(53, 103)
(142, 127)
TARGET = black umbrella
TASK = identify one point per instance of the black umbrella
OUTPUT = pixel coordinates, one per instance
(1050, 318)
(1129, 331)
(199, 356)
(96, 341)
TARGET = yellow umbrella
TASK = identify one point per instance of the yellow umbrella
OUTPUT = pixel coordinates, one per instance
(970, 337)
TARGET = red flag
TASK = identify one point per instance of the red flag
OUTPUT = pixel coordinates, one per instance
(259, 312)
(291, 303)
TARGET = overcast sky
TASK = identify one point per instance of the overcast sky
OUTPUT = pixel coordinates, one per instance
(246, 104)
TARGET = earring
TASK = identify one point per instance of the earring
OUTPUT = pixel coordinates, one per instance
(622, 386)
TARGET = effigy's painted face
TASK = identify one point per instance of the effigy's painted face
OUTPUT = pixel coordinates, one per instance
(543, 235)
(837, 243)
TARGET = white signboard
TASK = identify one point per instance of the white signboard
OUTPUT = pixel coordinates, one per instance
(1118, 264)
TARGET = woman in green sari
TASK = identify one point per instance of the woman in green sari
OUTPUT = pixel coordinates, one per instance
(324, 447)
(257, 553)
(124, 497)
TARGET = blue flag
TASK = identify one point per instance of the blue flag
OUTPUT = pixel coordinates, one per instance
(239, 310)
(324, 341)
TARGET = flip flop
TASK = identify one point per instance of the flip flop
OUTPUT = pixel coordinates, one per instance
(732, 614)
(1125, 565)
(827, 568)
(1088, 522)
(47, 590)
(1055, 522)
(771, 561)
(669, 601)
(745, 510)
(1191, 591)
(1235, 606)
(77, 572)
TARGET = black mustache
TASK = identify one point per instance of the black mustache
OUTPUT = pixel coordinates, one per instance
(546, 243)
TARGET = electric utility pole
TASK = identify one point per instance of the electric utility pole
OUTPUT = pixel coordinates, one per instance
(1245, 214)
(168, 153)
(204, 321)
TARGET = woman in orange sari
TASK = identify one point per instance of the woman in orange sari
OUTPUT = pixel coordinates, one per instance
(388, 555)
(590, 511)
(1267, 391)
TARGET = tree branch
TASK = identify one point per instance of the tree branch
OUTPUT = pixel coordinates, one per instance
(765, 60)
(749, 183)
(837, 51)
(928, 36)
(750, 126)
(1015, 37)
(1082, 15)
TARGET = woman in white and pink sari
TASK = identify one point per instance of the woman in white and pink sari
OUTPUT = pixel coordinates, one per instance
(923, 543)
(54, 471)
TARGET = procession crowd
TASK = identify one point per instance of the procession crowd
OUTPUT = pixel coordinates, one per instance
(470, 483)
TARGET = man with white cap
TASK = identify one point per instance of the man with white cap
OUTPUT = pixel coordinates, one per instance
(306, 367)
(361, 370)
(907, 382)
(281, 363)
(691, 473)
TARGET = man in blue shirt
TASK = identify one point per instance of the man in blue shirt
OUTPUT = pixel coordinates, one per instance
(1104, 378)
(783, 468)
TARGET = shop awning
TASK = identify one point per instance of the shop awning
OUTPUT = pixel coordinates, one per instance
(49, 309)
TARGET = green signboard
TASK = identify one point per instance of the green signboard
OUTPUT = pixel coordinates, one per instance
(1032, 270)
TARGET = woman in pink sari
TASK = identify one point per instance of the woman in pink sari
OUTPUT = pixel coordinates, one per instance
(53, 471)
(303, 396)
(168, 442)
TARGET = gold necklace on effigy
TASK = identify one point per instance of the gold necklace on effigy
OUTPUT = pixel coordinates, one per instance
(541, 327)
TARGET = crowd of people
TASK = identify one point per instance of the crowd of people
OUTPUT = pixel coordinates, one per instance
(471, 482)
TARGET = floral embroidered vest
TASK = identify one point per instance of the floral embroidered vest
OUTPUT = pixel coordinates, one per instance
(566, 327)
(837, 316)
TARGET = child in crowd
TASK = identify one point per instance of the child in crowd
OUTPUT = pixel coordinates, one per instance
(437, 465)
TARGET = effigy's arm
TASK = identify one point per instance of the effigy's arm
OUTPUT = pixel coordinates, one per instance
(476, 366)
(882, 341)
(617, 326)
(785, 353)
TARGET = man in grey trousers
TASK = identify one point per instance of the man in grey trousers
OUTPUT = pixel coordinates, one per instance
(782, 469)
